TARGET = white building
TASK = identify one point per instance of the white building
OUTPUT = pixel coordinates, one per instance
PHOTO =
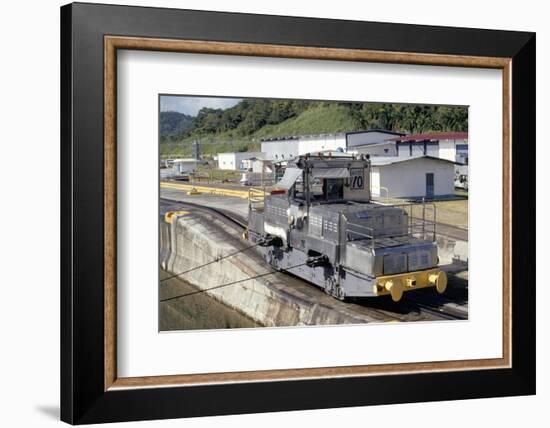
(184, 166)
(256, 164)
(386, 148)
(234, 161)
(258, 172)
(284, 148)
(412, 177)
(280, 149)
(445, 145)
(355, 140)
(180, 169)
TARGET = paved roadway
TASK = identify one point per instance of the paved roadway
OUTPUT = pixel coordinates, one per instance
(237, 205)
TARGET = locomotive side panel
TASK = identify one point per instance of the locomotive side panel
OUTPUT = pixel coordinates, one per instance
(256, 222)
(276, 217)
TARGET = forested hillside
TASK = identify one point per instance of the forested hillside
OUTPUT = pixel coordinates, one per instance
(173, 123)
(242, 126)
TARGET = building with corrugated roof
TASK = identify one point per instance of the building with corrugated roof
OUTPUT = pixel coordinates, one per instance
(446, 145)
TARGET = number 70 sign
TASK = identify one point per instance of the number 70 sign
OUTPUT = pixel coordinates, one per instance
(356, 179)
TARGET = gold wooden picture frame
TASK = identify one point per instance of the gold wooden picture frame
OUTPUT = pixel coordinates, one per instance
(114, 43)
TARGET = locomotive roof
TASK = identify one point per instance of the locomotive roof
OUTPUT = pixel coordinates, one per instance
(326, 162)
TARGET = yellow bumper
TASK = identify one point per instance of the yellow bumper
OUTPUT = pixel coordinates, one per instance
(168, 217)
(396, 285)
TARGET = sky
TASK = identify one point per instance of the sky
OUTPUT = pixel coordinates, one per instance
(191, 105)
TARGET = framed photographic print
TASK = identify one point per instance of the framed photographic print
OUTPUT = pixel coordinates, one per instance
(266, 213)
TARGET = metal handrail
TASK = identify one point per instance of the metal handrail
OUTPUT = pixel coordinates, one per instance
(256, 198)
(374, 232)
(374, 235)
(387, 192)
(414, 226)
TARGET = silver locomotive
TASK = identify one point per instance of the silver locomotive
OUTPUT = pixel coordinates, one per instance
(321, 225)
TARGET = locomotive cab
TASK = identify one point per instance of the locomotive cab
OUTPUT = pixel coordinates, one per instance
(325, 228)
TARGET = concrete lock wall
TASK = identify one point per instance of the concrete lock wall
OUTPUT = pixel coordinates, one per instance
(192, 241)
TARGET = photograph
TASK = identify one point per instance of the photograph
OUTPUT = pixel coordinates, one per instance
(293, 212)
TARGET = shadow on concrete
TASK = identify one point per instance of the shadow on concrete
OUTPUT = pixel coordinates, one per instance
(49, 410)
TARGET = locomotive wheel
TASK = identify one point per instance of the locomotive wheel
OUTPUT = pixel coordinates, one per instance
(272, 262)
(339, 293)
(395, 287)
(441, 282)
(329, 287)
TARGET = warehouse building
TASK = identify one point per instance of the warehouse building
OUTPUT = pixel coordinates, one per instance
(284, 148)
(412, 177)
(452, 146)
(236, 161)
(370, 137)
(386, 148)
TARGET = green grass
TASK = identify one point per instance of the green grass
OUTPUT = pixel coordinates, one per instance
(318, 120)
(218, 175)
(453, 212)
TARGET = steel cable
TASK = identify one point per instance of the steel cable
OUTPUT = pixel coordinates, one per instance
(228, 284)
(209, 263)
